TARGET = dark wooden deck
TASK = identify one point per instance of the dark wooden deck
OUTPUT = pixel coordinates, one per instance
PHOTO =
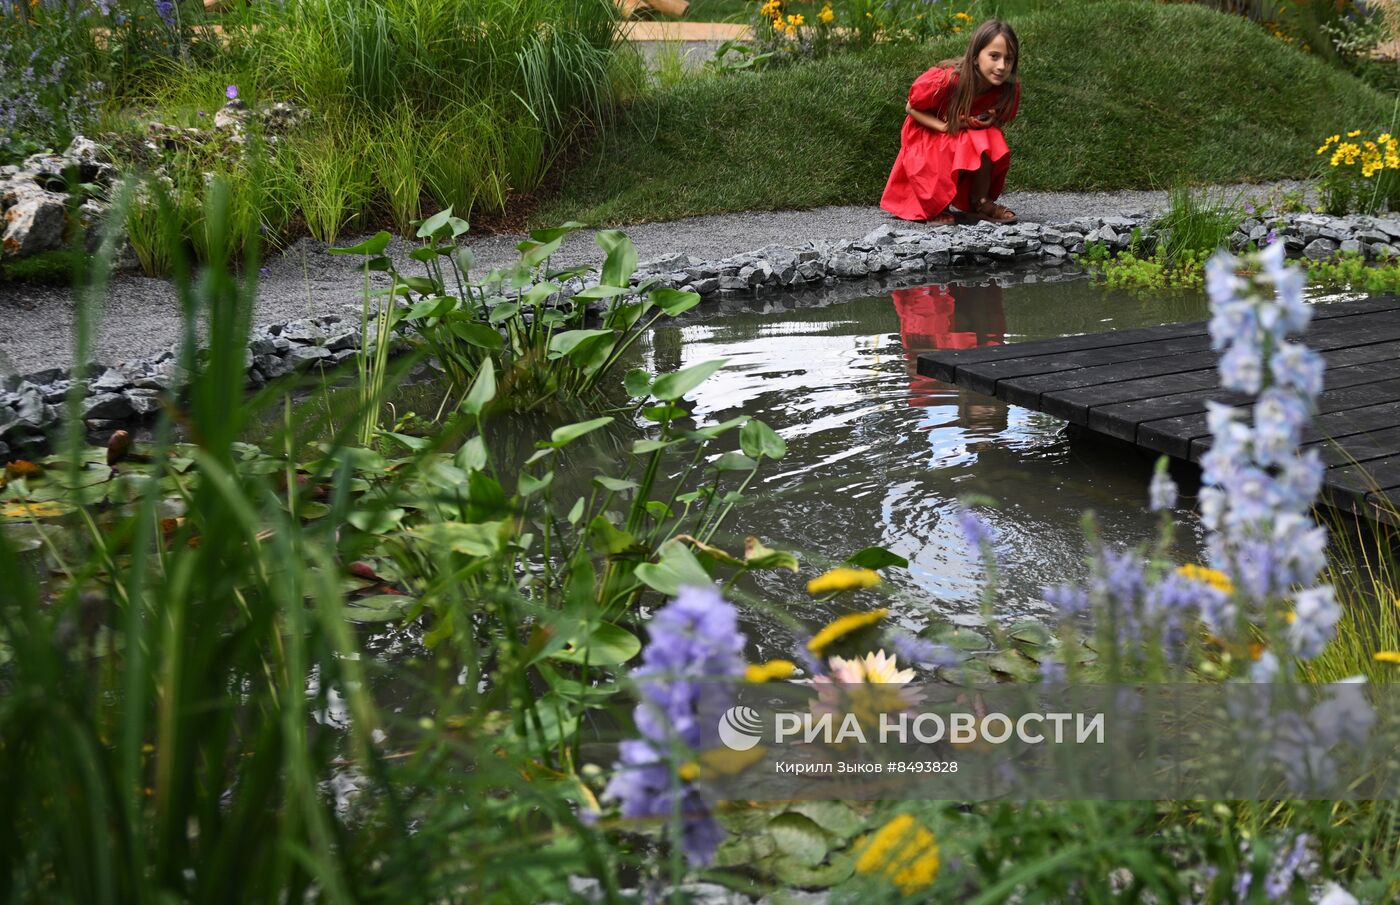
(1149, 387)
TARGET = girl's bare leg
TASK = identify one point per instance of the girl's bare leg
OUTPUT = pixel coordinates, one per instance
(981, 183)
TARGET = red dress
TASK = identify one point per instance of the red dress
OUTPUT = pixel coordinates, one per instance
(925, 180)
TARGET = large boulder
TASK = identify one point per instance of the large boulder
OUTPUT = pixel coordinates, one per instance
(34, 225)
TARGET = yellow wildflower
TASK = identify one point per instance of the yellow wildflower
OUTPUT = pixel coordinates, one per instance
(768, 672)
(844, 626)
(904, 851)
(796, 20)
(1353, 133)
(963, 16)
(791, 31)
(826, 15)
(842, 578)
(771, 8)
(1383, 138)
(1328, 143)
(689, 771)
(1213, 577)
(957, 29)
(1387, 656)
(1347, 152)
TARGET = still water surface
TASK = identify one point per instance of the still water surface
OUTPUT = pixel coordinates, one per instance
(880, 455)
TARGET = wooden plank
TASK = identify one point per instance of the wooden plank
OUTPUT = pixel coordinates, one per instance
(946, 361)
(943, 364)
(984, 376)
(1069, 394)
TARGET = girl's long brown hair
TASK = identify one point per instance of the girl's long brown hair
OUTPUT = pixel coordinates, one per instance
(967, 88)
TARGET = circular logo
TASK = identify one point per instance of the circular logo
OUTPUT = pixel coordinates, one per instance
(740, 728)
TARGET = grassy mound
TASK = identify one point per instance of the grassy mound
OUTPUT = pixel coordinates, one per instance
(1116, 95)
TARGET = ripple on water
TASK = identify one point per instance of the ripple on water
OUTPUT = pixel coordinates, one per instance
(878, 454)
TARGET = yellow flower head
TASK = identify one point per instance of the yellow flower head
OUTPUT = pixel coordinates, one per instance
(796, 20)
(768, 672)
(844, 626)
(1213, 577)
(1387, 656)
(903, 850)
(826, 15)
(689, 771)
(791, 31)
(1329, 143)
(963, 16)
(1353, 133)
(1383, 138)
(843, 578)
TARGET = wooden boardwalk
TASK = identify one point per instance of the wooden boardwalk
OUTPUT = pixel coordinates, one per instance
(1149, 387)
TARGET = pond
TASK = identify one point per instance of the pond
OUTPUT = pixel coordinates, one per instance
(880, 455)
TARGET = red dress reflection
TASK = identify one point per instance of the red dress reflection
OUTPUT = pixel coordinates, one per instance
(945, 317)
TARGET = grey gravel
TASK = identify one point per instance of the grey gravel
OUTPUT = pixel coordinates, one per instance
(141, 316)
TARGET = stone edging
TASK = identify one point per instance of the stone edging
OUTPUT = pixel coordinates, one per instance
(131, 392)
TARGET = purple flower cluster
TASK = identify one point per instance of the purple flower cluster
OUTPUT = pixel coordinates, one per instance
(692, 660)
(1260, 486)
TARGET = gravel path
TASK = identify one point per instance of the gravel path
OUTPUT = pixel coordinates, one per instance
(141, 316)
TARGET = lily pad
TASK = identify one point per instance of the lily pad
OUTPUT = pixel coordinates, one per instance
(836, 818)
(957, 637)
(1012, 664)
(800, 838)
(609, 645)
(16, 512)
(380, 608)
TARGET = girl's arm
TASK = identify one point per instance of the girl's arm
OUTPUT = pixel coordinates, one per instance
(927, 120)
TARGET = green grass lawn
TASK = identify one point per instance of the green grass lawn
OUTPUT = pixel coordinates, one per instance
(1116, 95)
(719, 10)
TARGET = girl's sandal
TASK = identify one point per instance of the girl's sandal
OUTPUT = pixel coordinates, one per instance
(944, 219)
(995, 213)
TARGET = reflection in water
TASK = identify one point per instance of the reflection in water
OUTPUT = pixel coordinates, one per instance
(879, 455)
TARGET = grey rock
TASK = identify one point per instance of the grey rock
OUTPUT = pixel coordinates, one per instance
(1002, 252)
(879, 237)
(1349, 247)
(272, 366)
(142, 406)
(706, 285)
(1320, 249)
(47, 375)
(108, 406)
(156, 381)
(843, 264)
(732, 283)
(111, 381)
(54, 393)
(33, 226)
(303, 331)
(1383, 250)
(31, 410)
(806, 255)
(339, 342)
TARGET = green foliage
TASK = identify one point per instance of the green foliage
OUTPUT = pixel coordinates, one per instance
(542, 345)
(189, 698)
(53, 268)
(826, 131)
(1350, 271)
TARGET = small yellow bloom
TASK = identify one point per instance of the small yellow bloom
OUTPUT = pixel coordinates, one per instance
(844, 626)
(963, 16)
(904, 851)
(1213, 577)
(768, 672)
(826, 15)
(842, 578)
(689, 771)
(791, 31)
(796, 20)
(1353, 133)
(1383, 138)
(1387, 656)
(957, 29)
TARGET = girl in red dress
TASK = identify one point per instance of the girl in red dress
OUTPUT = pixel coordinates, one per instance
(952, 151)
